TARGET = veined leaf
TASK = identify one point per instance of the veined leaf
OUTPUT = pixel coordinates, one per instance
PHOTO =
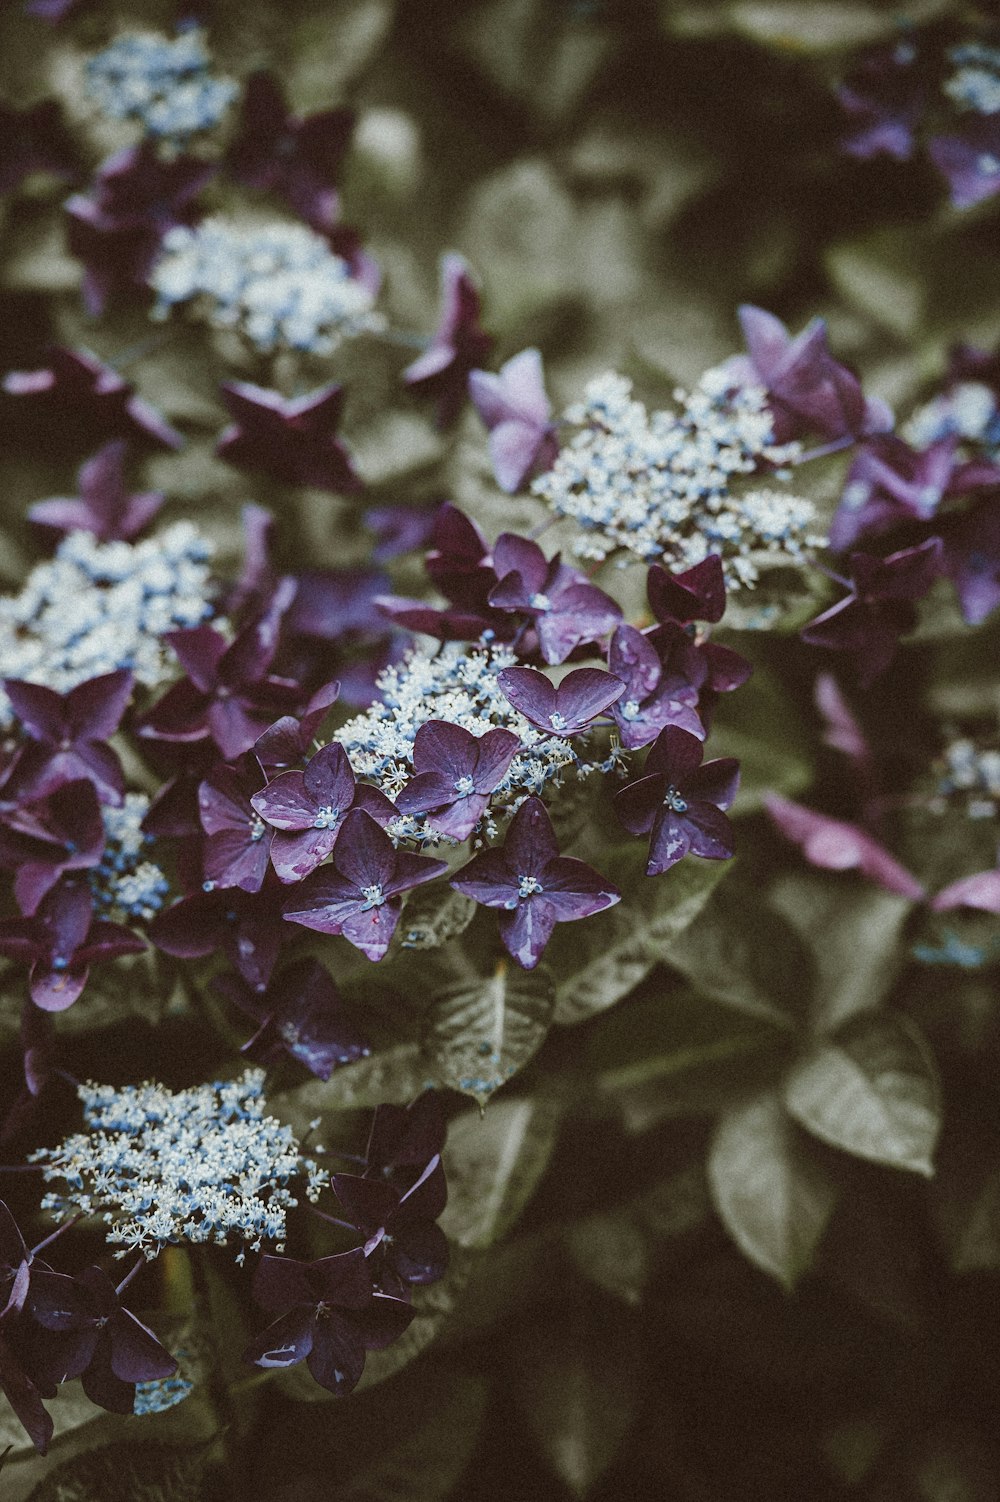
(493, 1163)
(871, 1090)
(481, 1029)
(772, 1197)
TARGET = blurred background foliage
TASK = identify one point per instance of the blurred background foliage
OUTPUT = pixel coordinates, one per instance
(681, 1270)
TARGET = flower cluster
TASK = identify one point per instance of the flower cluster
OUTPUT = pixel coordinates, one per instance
(196, 1165)
(127, 887)
(166, 85)
(278, 284)
(969, 777)
(667, 485)
(96, 607)
(975, 83)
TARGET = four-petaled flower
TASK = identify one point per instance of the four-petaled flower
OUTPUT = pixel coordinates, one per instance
(292, 439)
(76, 391)
(654, 697)
(402, 1238)
(330, 1317)
(678, 802)
(359, 895)
(42, 841)
(567, 710)
(532, 885)
(300, 1013)
(308, 808)
(68, 735)
(456, 772)
(239, 842)
(458, 345)
(60, 943)
(518, 415)
(890, 482)
(566, 610)
(103, 506)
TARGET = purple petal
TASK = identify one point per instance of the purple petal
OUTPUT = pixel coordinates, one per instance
(136, 1354)
(837, 846)
(980, 891)
(527, 929)
(337, 1358)
(285, 803)
(284, 1343)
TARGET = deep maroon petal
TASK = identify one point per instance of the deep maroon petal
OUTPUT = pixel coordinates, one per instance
(280, 1282)
(136, 1354)
(284, 1343)
(337, 1358)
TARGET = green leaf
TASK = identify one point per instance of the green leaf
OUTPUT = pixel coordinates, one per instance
(126, 1473)
(481, 1029)
(577, 1377)
(881, 277)
(871, 1090)
(493, 1163)
(433, 916)
(613, 1253)
(747, 956)
(773, 1198)
(599, 961)
(394, 1075)
(763, 730)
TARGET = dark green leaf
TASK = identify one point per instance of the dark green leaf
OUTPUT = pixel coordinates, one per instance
(435, 915)
(772, 1196)
(493, 1163)
(126, 1473)
(871, 1090)
(481, 1029)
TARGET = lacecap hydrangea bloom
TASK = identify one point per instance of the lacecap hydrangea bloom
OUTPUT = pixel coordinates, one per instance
(460, 685)
(164, 84)
(975, 83)
(199, 1165)
(662, 485)
(96, 607)
(278, 284)
(126, 885)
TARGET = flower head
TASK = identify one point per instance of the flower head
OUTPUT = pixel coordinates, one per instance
(565, 608)
(679, 803)
(68, 734)
(103, 507)
(60, 942)
(455, 773)
(307, 809)
(402, 1238)
(518, 415)
(293, 440)
(300, 1013)
(656, 694)
(76, 391)
(164, 84)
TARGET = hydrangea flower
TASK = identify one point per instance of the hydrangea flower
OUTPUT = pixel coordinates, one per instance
(402, 1239)
(565, 609)
(246, 926)
(969, 159)
(532, 885)
(359, 894)
(68, 735)
(405, 1138)
(125, 885)
(518, 416)
(290, 439)
(662, 485)
(43, 841)
(61, 942)
(458, 345)
(975, 84)
(889, 482)
(85, 1332)
(455, 772)
(330, 1316)
(567, 709)
(277, 284)
(884, 98)
(78, 394)
(461, 686)
(286, 744)
(164, 84)
(96, 608)
(306, 810)
(656, 694)
(679, 803)
(103, 507)
(300, 1013)
(162, 1167)
(238, 843)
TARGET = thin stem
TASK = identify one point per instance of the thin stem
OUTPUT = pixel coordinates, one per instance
(129, 1276)
(836, 446)
(57, 1232)
(332, 1220)
(21, 1167)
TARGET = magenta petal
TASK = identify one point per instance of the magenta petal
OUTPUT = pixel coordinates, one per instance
(980, 891)
(838, 846)
(527, 929)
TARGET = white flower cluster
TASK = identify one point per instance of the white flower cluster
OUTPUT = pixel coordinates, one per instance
(95, 607)
(457, 684)
(969, 412)
(201, 1165)
(127, 886)
(970, 776)
(278, 284)
(166, 85)
(660, 485)
(975, 85)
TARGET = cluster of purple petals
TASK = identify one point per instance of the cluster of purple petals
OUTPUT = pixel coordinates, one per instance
(895, 106)
(55, 1327)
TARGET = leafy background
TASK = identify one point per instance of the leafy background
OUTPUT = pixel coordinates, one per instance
(733, 1231)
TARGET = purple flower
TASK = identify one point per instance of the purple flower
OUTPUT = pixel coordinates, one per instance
(287, 742)
(246, 926)
(458, 345)
(518, 415)
(43, 841)
(86, 1333)
(678, 802)
(533, 885)
(808, 391)
(405, 1137)
(969, 160)
(239, 842)
(330, 1317)
(331, 604)
(869, 621)
(981, 891)
(76, 391)
(22, 1395)
(890, 482)
(116, 228)
(290, 439)
(284, 153)
(653, 698)
(68, 734)
(300, 1013)
(103, 505)
(359, 895)
(456, 772)
(308, 809)
(227, 695)
(60, 943)
(398, 529)
(697, 594)
(884, 101)
(567, 710)
(35, 139)
(565, 608)
(838, 846)
(460, 565)
(402, 1238)
(971, 558)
